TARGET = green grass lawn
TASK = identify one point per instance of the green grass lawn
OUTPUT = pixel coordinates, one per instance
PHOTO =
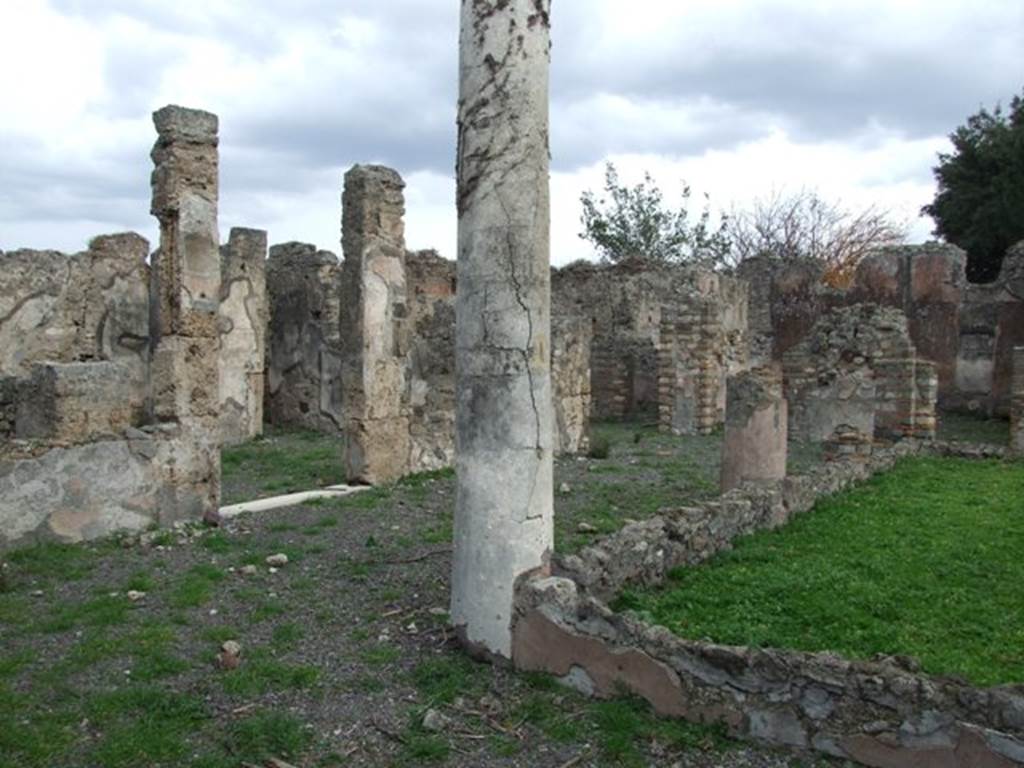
(926, 560)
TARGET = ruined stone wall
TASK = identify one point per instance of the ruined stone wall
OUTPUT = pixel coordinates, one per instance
(570, 383)
(858, 370)
(1009, 326)
(430, 286)
(243, 330)
(109, 391)
(630, 306)
(92, 305)
(927, 283)
(304, 348)
(968, 331)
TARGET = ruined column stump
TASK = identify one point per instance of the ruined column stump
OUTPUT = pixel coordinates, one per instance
(503, 517)
(1017, 403)
(754, 448)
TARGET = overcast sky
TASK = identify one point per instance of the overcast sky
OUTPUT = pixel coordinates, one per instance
(737, 97)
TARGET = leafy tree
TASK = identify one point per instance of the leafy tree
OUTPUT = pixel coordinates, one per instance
(979, 205)
(805, 227)
(633, 222)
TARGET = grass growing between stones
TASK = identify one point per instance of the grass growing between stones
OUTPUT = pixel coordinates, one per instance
(926, 560)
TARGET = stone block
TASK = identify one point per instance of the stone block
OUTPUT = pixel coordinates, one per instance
(78, 402)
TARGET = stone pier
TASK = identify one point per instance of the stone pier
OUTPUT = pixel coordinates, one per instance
(503, 514)
(1017, 403)
(243, 330)
(754, 448)
(186, 292)
(373, 325)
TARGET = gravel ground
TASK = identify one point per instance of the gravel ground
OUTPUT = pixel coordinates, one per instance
(345, 650)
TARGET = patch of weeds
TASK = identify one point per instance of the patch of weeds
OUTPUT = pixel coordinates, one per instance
(504, 746)
(142, 725)
(105, 611)
(424, 478)
(266, 735)
(365, 684)
(286, 636)
(363, 500)
(327, 521)
(356, 570)
(67, 562)
(380, 655)
(281, 527)
(421, 747)
(540, 710)
(29, 737)
(268, 609)
(441, 533)
(441, 680)
(623, 725)
(196, 587)
(15, 610)
(140, 581)
(218, 542)
(259, 674)
(220, 635)
(150, 646)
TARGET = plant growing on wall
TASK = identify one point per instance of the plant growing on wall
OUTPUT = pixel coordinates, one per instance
(635, 222)
(979, 205)
(804, 226)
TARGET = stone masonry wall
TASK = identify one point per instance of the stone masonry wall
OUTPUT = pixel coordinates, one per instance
(430, 285)
(243, 330)
(968, 331)
(630, 305)
(858, 369)
(304, 348)
(880, 713)
(92, 305)
(109, 391)
(991, 326)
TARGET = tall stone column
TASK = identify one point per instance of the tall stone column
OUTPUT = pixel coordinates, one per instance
(503, 514)
(754, 447)
(185, 370)
(1017, 403)
(373, 328)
